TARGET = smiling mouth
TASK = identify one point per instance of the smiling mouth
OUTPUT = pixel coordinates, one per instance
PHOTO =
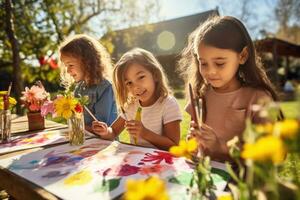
(141, 94)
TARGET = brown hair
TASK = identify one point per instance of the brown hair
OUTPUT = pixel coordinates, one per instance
(96, 61)
(147, 60)
(224, 33)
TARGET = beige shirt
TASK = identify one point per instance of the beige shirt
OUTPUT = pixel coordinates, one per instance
(227, 112)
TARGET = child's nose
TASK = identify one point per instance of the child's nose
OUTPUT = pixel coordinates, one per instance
(137, 88)
(212, 71)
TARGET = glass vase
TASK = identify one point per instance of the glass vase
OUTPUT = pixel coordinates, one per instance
(76, 129)
(5, 125)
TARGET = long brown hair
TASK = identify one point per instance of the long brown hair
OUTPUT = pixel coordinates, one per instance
(96, 61)
(145, 59)
(225, 33)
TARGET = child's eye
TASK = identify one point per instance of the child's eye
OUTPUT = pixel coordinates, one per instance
(203, 64)
(220, 64)
(128, 83)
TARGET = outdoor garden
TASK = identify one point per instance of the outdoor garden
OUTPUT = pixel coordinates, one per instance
(38, 79)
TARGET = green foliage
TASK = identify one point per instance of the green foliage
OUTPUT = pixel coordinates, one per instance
(41, 25)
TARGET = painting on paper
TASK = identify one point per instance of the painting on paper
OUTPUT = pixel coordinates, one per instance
(38, 139)
(99, 169)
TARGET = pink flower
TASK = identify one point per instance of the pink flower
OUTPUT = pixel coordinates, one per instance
(47, 107)
(34, 107)
(34, 97)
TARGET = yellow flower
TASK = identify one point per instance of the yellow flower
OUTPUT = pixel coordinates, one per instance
(265, 149)
(185, 149)
(12, 101)
(79, 178)
(264, 128)
(149, 189)
(287, 128)
(225, 197)
(65, 106)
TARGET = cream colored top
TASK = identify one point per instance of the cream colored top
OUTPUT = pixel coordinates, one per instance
(227, 112)
(154, 117)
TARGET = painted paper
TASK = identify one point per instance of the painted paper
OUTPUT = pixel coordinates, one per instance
(38, 139)
(99, 169)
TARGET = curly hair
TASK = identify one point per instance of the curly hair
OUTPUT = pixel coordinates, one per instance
(96, 61)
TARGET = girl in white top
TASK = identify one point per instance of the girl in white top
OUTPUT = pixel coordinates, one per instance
(139, 82)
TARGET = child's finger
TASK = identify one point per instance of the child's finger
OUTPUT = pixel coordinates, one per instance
(193, 124)
(130, 123)
(205, 127)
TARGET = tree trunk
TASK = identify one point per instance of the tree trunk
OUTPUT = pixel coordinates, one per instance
(17, 79)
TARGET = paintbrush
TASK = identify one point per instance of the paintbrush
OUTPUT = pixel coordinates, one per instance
(123, 112)
(9, 89)
(90, 113)
(199, 103)
(126, 118)
(194, 107)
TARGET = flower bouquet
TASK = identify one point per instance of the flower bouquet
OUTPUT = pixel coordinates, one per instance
(33, 98)
(70, 108)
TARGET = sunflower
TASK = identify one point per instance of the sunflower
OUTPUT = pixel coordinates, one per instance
(65, 106)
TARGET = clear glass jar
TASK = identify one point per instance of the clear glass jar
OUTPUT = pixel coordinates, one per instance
(76, 129)
(5, 124)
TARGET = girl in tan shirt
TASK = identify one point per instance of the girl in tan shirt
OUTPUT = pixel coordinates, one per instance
(221, 64)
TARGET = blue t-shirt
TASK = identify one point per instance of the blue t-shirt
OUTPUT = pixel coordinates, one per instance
(101, 101)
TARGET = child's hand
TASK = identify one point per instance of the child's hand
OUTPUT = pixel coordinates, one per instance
(194, 131)
(205, 135)
(135, 128)
(208, 138)
(100, 128)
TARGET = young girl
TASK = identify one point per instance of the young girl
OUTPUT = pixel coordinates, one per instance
(221, 64)
(139, 82)
(86, 62)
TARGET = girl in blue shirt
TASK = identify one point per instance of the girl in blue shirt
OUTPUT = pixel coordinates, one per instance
(87, 63)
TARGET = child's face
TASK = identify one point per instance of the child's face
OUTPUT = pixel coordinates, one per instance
(219, 67)
(73, 66)
(141, 84)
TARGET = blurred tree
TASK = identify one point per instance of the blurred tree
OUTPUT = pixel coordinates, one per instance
(287, 12)
(34, 28)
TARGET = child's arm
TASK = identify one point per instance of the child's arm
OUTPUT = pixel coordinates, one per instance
(170, 135)
(101, 128)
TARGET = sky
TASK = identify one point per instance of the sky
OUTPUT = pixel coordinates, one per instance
(261, 11)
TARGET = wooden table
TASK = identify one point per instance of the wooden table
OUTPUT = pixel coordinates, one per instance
(16, 186)
(20, 125)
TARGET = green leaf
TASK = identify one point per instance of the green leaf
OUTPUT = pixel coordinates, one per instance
(107, 185)
(219, 175)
